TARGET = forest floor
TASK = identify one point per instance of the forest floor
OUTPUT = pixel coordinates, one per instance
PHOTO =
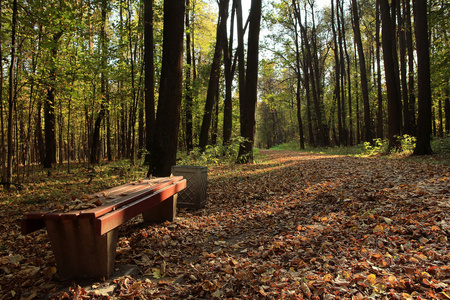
(294, 225)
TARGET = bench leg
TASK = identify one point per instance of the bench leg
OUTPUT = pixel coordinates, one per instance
(164, 211)
(78, 251)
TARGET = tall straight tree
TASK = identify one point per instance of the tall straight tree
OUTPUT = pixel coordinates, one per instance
(149, 79)
(363, 73)
(165, 138)
(229, 68)
(95, 146)
(9, 161)
(188, 82)
(394, 121)
(423, 144)
(248, 103)
(214, 76)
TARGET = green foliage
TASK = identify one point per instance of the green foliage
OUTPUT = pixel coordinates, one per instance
(441, 145)
(213, 154)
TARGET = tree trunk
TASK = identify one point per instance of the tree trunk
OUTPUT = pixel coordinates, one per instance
(297, 23)
(2, 123)
(188, 82)
(214, 75)
(9, 162)
(391, 77)
(248, 103)
(49, 107)
(411, 71)
(95, 146)
(337, 73)
(165, 138)
(379, 91)
(362, 69)
(423, 144)
(149, 80)
(229, 74)
(447, 115)
(403, 72)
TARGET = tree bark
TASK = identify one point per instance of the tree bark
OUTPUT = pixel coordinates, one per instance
(9, 162)
(214, 76)
(165, 138)
(297, 23)
(49, 108)
(248, 103)
(379, 90)
(149, 80)
(394, 121)
(423, 144)
(363, 73)
(229, 74)
(188, 83)
(95, 146)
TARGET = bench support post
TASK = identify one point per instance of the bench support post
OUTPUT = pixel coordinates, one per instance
(79, 251)
(164, 211)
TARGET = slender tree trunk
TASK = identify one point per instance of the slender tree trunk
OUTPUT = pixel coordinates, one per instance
(394, 110)
(95, 146)
(297, 22)
(403, 72)
(411, 71)
(9, 160)
(337, 73)
(379, 91)
(149, 80)
(229, 74)
(447, 115)
(188, 82)
(248, 104)
(362, 69)
(423, 144)
(2, 123)
(165, 138)
(349, 83)
(49, 108)
(214, 75)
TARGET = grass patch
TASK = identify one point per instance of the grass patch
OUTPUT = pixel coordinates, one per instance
(379, 147)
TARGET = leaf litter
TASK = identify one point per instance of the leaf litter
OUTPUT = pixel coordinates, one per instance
(295, 226)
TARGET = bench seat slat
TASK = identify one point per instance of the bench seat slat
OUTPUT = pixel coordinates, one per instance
(115, 204)
(117, 217)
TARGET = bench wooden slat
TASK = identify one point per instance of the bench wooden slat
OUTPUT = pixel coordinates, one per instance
(117, 217)
(115, 204)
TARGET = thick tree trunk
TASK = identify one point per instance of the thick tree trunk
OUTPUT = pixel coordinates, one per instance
(165, 138)
(214, 76)
(248, 103)
(423, 144)
(362, 69)
(394, 111)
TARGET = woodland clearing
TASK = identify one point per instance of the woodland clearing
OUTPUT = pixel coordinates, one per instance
(291, 226)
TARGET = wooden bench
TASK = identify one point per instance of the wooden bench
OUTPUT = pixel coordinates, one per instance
(84, 240)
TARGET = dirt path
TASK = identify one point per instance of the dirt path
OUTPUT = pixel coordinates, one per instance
(293, 226)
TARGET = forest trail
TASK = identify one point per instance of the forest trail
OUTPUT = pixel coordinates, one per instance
(294, 225)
